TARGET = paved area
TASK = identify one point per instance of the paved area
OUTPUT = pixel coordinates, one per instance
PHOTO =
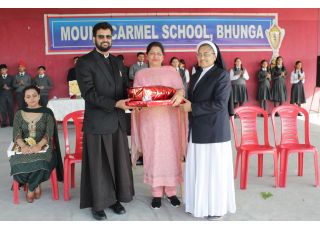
(298, 201)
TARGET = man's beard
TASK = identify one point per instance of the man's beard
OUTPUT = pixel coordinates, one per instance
(103, 49)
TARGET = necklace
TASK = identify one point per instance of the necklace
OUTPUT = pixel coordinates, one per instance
(32, 122)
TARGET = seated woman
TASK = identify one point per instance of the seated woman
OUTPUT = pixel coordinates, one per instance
(34, 128)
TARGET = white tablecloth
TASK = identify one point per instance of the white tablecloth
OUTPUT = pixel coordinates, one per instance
(62, 106)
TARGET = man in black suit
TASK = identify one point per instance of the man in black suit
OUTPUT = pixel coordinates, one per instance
(72, 71)
(106, 176)
(6, 96)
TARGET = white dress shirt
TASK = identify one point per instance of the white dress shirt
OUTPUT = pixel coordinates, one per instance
(295, 78)
(234, 77)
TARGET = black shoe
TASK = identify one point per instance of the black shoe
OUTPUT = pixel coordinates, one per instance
(174, 201)
(118, 208)
(156, 202)
(139, 161)
(3, 125)
(99, 215)
(215, 218)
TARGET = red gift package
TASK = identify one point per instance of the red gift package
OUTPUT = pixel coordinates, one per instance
(150, 96)
(148, 103)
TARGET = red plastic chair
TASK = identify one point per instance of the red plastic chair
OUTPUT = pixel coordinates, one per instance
(250, 143)
(54, 185)
(71, 158)
(289, 142)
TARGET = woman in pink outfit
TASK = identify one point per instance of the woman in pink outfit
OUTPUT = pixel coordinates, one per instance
(160, 132)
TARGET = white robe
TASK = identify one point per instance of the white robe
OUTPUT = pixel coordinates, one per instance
(209, 181)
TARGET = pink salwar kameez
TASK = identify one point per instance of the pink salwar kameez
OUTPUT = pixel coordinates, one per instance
(159, 133)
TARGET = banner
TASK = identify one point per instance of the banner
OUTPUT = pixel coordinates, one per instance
(70, 34)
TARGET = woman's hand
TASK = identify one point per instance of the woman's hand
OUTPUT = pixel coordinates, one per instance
(268, 75)
(186, 106)
(177, 98)
(35, 148)
(26, 149)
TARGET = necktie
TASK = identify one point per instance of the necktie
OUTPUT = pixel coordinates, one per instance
(21, 74)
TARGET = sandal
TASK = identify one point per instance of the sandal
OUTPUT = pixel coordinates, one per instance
(29, 196)
(37, 192)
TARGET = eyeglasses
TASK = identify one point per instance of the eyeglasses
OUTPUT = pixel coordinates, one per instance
(206, 55)
(102, 36)
(155, 54)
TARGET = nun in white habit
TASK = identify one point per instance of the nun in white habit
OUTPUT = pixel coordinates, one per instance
(209, 184)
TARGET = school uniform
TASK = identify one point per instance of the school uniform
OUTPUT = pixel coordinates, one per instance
(6, 100)
(263, 86)
(297, 88)
(21, 80)
(238, 83)
(136, 67)
(278, 88)
(45, 81)
(184, 74)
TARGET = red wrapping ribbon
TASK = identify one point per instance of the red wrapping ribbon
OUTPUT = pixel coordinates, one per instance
(150, 93)
(150, 96)
(148, 103)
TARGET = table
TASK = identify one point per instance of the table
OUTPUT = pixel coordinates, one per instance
(63, 106)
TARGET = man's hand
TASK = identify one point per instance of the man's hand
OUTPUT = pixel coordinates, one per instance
(121, 104)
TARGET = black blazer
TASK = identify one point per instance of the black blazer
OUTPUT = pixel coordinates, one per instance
(101, 89)
(209, 119)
